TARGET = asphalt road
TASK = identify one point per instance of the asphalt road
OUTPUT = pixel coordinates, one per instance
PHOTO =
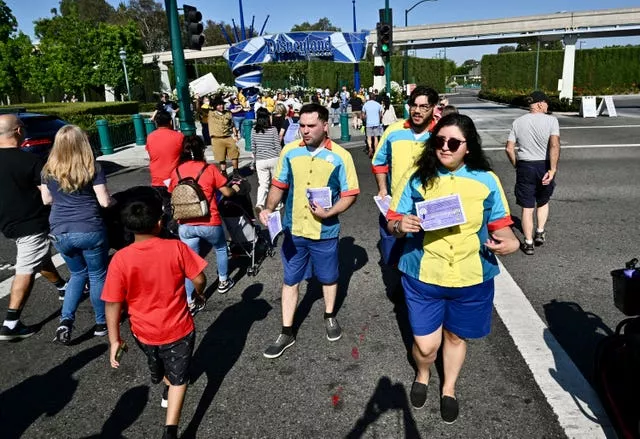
(358, 386)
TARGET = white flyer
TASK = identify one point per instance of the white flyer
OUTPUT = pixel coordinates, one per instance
(321, 195)
(441, 213)
(383, 203)
(274, 224)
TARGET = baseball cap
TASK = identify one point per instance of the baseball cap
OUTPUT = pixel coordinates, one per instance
(538, 96)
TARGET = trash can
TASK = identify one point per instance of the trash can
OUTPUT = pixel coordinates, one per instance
(105, 138)
(247, 127)
(149, 126)
(138, 126)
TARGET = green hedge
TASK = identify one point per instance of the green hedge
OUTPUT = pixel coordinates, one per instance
(519, 99)
(77, 108)
(597, 71)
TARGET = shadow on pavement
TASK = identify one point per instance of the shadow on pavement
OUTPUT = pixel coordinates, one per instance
(221, 347)
(351, 258)
(45, 394)
(127, 410)
(387, 396)
(110, 167)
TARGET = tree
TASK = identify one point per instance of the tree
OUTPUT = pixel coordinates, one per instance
(506, 49)
(213, 35)
(151, 22)
(8, 23)
(530, 44)
(323, 24)
(93, 11)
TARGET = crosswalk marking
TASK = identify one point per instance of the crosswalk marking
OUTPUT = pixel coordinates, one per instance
(5, 285)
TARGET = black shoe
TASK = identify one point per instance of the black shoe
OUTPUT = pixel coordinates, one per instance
(63, 333)
(279, 346)
(449, 409)
(100, 330)
(334, 332)
(225, 285)
(195, 308)
(164, 402)
(527, 248)
(539, 238)
(418, 395)
(20, 331)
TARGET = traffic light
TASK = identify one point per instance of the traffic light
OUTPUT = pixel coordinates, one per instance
(378, 70)
(192, 22)
(384, 30)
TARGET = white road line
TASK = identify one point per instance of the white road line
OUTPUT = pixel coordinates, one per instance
(5, 285)
(490, 130)
(573, 400)
(621, 145)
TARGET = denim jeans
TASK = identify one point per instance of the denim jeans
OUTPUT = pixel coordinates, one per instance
(86, 257)
(213, 236)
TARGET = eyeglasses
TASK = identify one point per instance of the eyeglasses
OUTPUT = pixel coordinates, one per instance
(452, 144)
(423, 107)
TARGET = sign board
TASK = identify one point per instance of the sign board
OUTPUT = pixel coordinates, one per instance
(610, 107)
(410, 88)
(588, 106)
(204, 85)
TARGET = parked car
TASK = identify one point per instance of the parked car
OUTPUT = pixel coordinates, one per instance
(39, 130)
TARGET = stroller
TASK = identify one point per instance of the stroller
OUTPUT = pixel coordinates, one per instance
(245, 234)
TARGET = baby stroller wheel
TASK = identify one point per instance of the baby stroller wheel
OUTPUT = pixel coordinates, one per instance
(271, 252)
(250, 271)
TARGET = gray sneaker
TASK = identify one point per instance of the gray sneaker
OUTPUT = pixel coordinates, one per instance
(279, 346)
(334, 332)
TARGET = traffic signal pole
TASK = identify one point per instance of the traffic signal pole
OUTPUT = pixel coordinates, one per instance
(387, 61)
(187, 124)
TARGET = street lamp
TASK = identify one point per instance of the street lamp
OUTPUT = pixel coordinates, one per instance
(123, 57)
(406, 60)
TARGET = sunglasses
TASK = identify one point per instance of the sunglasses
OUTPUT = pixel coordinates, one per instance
(452, 144)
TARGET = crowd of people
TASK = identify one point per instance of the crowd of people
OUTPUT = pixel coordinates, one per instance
(446, 268)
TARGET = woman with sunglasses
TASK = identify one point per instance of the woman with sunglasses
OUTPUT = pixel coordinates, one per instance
(448, 270)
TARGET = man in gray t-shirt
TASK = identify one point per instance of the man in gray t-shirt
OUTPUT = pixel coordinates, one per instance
(537, 136)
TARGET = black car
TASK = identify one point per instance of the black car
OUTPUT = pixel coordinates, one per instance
(39, 130)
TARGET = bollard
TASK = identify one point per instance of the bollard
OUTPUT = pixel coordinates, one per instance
(138, 126)
(247, 127)
(344, 127)
(105, 138)
(149, 126)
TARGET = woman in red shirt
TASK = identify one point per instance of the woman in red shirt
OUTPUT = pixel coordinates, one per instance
(208, 228)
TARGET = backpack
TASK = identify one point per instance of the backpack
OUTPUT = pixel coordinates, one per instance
(292, 133)
(187, 199)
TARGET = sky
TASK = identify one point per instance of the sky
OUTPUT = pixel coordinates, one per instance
(283, 14)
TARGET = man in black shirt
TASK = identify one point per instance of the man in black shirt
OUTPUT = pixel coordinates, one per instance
(24, 219)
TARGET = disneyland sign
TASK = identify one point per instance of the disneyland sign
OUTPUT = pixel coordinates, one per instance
(345, 47)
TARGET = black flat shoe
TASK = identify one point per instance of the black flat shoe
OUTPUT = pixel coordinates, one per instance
(418, 395)
(449, 409)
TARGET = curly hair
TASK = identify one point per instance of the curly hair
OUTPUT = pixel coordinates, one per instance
(427, 163)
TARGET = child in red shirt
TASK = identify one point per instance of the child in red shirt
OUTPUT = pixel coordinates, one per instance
(149, 276)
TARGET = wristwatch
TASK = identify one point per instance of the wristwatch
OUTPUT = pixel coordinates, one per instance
(396, 228)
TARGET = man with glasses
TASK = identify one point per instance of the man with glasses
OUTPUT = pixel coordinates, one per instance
(24, 219)
(537, 135)
(400, 145)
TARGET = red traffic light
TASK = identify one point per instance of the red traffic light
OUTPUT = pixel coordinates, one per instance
(378, 70)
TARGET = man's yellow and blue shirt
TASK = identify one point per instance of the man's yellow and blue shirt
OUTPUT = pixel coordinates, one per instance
(455, 256)
(398, 150)
(298, 170)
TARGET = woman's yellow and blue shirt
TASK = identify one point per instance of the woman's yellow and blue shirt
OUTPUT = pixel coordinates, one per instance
(298, 170)
(455, 256)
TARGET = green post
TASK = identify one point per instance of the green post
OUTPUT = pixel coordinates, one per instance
(405, 109)
(247, 127)
(138, 126)
(344, 127)
(187, 124)
(105, 138)
(387, 60)
(149, 126)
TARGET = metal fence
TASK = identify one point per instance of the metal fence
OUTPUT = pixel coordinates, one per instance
(120, 134)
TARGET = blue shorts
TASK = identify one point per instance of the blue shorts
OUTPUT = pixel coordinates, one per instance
(529, 189)
(302, 256)
(464, 311)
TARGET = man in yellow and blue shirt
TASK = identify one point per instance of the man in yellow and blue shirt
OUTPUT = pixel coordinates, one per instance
(400, 145)
(310, 231)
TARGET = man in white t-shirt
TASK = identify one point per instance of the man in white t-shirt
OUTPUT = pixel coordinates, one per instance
(537, 135)
(371, 114)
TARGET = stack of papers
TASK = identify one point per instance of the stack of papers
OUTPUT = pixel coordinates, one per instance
(321, 195)
(441, 213)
